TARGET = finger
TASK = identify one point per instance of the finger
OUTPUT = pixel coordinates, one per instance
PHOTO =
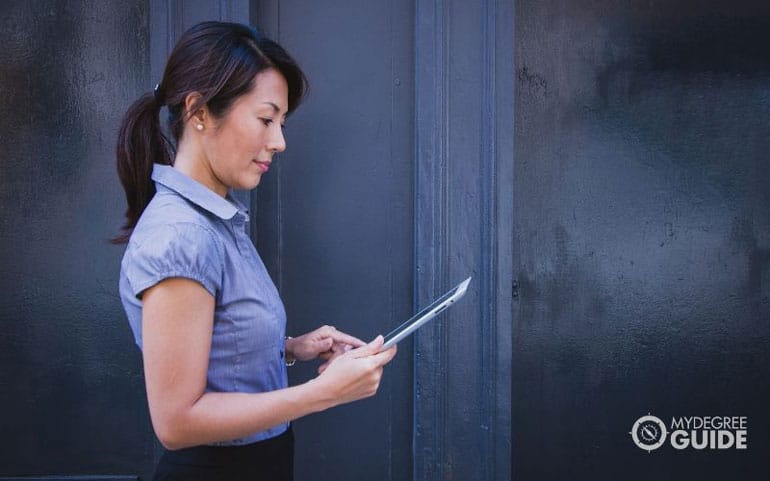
(323, 367)
(326, 330)
(368, 349)
(343, 338)
(384, 357)
(338, 348)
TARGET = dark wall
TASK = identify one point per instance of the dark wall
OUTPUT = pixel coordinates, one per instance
(335, 216)
(71, 388)
(642, 219)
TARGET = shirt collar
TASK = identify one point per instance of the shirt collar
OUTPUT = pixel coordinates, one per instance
(196, 192)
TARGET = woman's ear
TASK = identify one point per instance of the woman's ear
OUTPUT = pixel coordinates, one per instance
(194, 111)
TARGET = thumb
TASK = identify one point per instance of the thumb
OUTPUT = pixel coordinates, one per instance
(368, 349)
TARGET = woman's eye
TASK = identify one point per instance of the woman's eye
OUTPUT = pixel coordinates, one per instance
(267, 122)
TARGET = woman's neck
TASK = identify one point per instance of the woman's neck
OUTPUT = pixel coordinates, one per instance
(194, 164)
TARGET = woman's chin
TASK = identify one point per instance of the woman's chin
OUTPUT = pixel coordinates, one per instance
(250, 183)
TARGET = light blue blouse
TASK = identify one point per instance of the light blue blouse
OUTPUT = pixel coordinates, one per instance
(189, 231)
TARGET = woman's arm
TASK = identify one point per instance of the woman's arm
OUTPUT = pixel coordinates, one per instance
(177, 322)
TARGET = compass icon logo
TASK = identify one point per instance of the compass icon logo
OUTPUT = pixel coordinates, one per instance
(649, 433)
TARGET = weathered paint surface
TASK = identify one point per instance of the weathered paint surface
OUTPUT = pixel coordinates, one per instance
(642, 227)
(71, 387)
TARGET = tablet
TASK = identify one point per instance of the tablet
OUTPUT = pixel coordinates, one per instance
(426, 314)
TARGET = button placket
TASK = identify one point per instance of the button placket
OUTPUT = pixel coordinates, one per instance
(238, 224)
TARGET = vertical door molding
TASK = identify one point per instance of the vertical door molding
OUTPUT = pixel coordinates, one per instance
(463, 226)
(431, 223)
(266, 208)
(502, 18)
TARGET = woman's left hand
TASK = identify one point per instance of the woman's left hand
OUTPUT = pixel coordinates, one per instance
(325, 342)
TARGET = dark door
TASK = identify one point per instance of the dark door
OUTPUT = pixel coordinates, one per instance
(397, 185)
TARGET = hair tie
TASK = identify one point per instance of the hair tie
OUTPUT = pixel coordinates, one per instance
(158, 95)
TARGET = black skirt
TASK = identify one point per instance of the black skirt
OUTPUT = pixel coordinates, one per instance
(271, 459)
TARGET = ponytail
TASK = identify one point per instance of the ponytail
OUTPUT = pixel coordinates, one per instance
(141, 144)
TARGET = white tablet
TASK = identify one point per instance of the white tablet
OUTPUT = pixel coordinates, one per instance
(426, 314)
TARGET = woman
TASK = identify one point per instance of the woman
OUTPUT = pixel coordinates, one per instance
(201, 305)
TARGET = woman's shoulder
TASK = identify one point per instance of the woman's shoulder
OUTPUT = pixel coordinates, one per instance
(173, 240)
(170, 221)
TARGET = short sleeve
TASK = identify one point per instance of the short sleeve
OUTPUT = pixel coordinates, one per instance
(177, 250)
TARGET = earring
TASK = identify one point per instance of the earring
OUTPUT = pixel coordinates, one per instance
(199, 127)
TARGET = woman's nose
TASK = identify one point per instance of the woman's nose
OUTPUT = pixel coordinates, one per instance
(277, 142)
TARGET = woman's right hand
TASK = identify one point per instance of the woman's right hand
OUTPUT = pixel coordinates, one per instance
(356, 374)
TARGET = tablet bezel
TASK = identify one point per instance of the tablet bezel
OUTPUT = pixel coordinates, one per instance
(435, 308)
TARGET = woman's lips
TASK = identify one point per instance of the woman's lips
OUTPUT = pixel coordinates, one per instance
(265, 166)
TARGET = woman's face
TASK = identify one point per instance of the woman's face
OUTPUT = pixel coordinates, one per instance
(241, 146)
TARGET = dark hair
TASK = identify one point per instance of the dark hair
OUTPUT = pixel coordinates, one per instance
(219, 61)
